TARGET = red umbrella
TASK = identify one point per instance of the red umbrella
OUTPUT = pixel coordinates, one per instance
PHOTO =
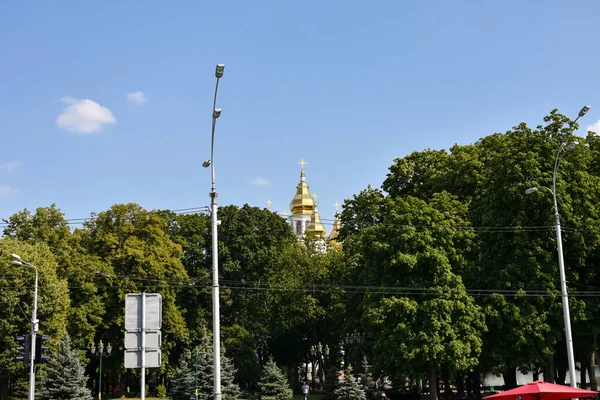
(542, 391)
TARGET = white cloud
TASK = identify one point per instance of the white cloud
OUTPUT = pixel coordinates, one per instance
(595, 127)
(84, 116)
(138, 98)
(260, 181)
(9, 165)
(6, 190)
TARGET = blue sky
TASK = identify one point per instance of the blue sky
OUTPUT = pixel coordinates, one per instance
(110, 102)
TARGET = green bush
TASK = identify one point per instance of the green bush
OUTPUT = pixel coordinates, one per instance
(162, 391)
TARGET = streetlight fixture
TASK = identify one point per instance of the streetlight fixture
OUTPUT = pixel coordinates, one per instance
(319, 353)
(100, 353)
(582, 112)
(34, 324)
(216, 113)
(563, 149)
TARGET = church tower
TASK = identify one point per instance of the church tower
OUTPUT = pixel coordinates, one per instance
(315, 225)
(336, 227)
(302, 205)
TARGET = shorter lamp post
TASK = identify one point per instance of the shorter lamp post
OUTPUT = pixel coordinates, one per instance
(17, 260)
(319, 353)
(355, 338)
(99, 352)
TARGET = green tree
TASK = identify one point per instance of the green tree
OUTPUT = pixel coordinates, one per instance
(523, 259)
(273, 383)
(64, 377)
(75, 265)
(348, 388)
(135, 243)
(183, 383)
(367, 381)
(432, 324)
(201, 364)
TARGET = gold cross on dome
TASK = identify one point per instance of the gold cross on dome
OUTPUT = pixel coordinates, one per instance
(314, 196)
(284, 214)
(269, 202)
(336, 205)
(302, 163)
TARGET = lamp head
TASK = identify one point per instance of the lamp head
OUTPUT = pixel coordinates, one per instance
(217, 112)
(219, 70)
(583, 111)
(531, 190)
(93, 349)
(15, 262)
(108, 349)
(206, 163)
(16, 257)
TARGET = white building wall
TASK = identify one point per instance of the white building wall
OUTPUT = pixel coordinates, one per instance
(522, 379)
(304, 222)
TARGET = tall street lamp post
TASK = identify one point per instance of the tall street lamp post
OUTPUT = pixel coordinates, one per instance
(563, 149)
(34, 324)
(216, 113)
(99, 352)
(319, 354)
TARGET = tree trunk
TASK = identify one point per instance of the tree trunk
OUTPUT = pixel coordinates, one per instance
(446, 377)
(460, 385)
(3, 389)
(433, 380)
(469, 384)
(510, 378)
(592, 366)
(475, 378)
(583, 373)
(549, 370)
(561, 376)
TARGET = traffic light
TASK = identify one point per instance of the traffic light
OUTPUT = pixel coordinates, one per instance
(24, 349)
(40, 357)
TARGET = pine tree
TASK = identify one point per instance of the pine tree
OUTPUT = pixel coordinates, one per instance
(64, 378)
(332, 377)
(274, 384)
(348, 388)
(229, 389)
(183, 384)
(202, 361)
(367, 382)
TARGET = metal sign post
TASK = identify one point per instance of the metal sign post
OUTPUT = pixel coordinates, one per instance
(143, 318)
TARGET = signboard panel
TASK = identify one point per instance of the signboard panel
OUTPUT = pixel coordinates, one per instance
(133, 358)
(133, 311)
(133, 340)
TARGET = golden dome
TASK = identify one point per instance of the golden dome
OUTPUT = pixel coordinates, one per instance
(315, 225)
(302, 203)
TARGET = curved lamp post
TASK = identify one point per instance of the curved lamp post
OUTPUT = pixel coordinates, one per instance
(99, 352)
(34, 324)
(216, 113)
(563, 149)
